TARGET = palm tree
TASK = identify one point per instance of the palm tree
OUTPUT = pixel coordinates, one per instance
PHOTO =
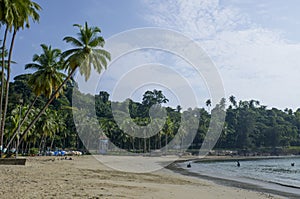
(3, 61)
(60, 119)
(128, 128)
(232, 100)
(208, 104)
(169, 132)
(14, 15)
(47, 126)
(14, 120)
(88, 52)
(47, 77)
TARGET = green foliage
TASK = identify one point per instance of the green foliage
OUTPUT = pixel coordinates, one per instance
(86, 52)
(33, 151)
(248, 125)
(48, 76)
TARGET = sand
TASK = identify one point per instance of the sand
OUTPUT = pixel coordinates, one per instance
(85, 177)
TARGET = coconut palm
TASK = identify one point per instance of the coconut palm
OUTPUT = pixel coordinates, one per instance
(88, 52)
(3, 61)
(47, 127)
(168, 132)
(208, 104)
(13, 15)
(14, 120)
(47, 77)
(232, 100)
(60, 119)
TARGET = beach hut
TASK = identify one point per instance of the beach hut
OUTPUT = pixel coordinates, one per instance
(103, 144)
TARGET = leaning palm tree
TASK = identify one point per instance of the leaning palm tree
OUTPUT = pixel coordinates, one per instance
(88, 52)
(13, 15)
(46, 79)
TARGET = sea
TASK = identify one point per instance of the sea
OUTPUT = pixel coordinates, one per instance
(275, 174)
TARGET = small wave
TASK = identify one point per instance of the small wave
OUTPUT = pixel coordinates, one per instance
(280, 170)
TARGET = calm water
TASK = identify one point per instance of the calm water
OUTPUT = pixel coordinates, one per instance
(271, 171)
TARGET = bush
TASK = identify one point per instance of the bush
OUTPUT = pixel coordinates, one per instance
(33, 151)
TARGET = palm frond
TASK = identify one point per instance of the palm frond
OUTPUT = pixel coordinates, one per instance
(69, 52)
(97, 41)
(33, 66)
(73, 41)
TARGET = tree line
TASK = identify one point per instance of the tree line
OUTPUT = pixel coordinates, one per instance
(248, 126)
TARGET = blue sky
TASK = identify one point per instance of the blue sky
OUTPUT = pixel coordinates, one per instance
(255, 44)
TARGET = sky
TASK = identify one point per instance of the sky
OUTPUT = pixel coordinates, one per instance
(254, 44)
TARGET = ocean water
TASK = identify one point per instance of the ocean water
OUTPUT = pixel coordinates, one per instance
(277, 171)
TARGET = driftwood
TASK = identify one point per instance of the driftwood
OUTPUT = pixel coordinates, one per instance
(12, 161)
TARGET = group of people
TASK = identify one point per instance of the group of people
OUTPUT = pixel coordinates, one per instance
(238, 164)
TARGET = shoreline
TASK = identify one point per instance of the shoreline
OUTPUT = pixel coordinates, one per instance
(86, 177)
(231, 182)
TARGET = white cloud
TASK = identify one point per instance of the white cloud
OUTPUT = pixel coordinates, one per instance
(254, 62)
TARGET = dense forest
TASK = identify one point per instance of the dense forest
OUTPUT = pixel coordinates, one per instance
(248, 127)
(37, 114)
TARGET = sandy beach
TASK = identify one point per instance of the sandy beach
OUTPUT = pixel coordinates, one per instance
(85, 177)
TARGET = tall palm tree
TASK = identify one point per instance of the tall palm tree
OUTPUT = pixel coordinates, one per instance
(3, 61)
(168, 132)
(232, 100)
(47, 77)
(60, 119)
(13, 15)
(88, 52)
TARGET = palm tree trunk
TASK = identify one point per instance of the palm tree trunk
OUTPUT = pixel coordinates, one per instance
(133, 148)
(52, 141)
(25, 148)
(2, 87)
(22, 122)
(166, 143)
(7, 83)
(40, 144)
(149, 144)
(181, 142)
(145, 141)
(145, 145)
(159, 140)
(47, 104)
(140, 145)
